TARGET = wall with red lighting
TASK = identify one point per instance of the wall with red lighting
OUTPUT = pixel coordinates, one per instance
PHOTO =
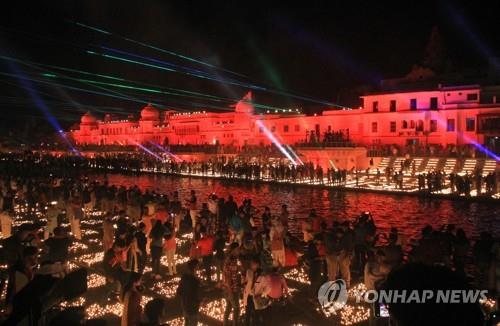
(437, 116)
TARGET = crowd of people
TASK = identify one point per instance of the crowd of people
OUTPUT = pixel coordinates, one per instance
(330, 138)
(404, 178)
(241, 249)
(138, 228)
(429, 150)
(458, 184)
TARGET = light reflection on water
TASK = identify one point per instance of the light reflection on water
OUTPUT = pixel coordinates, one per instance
(409, 214)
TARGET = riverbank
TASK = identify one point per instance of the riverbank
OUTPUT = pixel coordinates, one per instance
(347, 188)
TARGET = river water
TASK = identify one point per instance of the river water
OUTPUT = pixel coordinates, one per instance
(408, 213)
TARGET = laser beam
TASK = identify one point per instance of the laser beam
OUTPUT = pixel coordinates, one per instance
(40, 104)
(172, 53)
(275, 141)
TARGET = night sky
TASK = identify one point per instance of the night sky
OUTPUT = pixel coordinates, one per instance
(324, 50)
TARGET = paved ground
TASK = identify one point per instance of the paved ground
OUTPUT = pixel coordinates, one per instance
(300, 310)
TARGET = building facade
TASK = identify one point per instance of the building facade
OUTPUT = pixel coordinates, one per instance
(456, 115)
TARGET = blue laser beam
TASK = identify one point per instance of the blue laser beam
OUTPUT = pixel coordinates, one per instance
(164, 150)
(146, 150)
(40, 104)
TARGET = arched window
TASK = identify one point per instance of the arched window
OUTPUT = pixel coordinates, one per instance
(412, 124)
(404, 124)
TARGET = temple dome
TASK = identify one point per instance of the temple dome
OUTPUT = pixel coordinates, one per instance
(245, 104)
(88, 119)
(150, 113)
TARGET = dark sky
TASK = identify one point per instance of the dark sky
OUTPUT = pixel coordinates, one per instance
(320, 49)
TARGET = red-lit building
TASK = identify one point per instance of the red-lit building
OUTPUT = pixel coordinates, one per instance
(454, 115)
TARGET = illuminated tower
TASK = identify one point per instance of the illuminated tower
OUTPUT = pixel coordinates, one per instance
(243, 119)
(150, 119)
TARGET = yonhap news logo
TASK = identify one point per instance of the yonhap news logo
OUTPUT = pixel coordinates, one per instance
(422, 296)
(333, 294)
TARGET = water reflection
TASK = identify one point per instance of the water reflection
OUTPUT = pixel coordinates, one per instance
(408, 214)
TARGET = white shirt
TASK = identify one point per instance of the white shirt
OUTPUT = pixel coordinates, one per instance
(261, 287)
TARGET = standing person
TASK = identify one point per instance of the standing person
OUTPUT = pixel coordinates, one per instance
(58, 246)
(277, 234)
(114, 265)
(236, 228)
(255, 294)
(307, 232)
(142, 242)
(75, 216)
(189, 294)
(133, 204)
(150, 208)
(346, 253)
(104, 202)
(6, 218)
(277, 285)
(206, 247)
(277, 292)
(266, 218)
(229, 209)
(219, 245)
(213, 204)
(133, 257)
(284, 216)
(332, 248)
(376, 269)
(170, 247)
(175, 210)
(13, 246)
(361, 233)
(148, 221)
(313, 261)
(312, 225)
(232, 285)
(52, 215)
(88, 205)
(156, 247)
(193, 208)
(108, 232)
(266, 257)
(393, 251)
(8, 202)
(21, 273)
(131, 299)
